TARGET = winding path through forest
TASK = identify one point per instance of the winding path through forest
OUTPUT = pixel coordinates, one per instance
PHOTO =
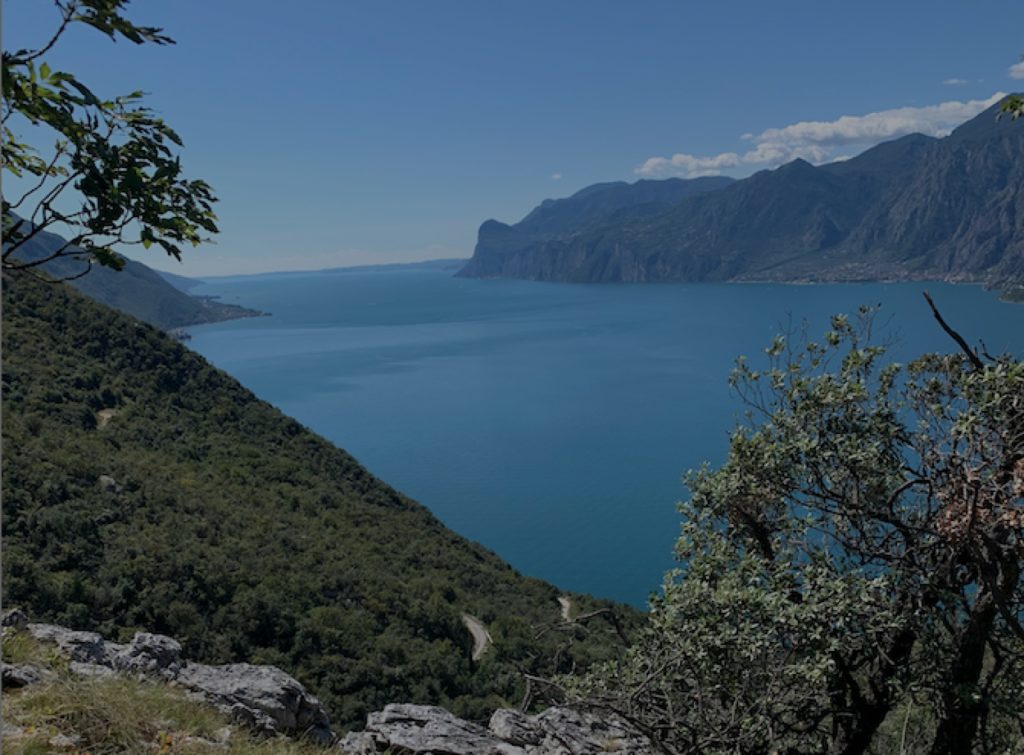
(566, 602)
(481, 637)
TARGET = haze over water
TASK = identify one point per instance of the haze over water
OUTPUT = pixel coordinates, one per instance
(550, 422)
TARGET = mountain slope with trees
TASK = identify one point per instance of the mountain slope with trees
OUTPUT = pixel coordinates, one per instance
(914, 208)
(145, 489)
(135, 289)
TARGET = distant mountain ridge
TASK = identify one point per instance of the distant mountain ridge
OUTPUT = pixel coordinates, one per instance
(447, 263)
(180, 282)
(138, 290)
(913, 208)
(590, 208)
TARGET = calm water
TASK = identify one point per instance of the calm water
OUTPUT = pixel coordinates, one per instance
(550, 422)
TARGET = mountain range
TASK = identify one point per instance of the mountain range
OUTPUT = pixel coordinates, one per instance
(917, 207)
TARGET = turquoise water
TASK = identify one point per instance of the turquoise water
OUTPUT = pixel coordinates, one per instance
(550, 422)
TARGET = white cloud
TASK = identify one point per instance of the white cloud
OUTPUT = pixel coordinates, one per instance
(1017, 70)
(682, 164)
(932, 120)
(556, 176)
(818, 141)
(955, 82)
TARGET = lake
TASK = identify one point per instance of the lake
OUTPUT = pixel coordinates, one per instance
(550, 422)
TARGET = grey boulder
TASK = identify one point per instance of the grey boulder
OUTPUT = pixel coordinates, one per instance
(423, 729)
(150, 654)
(14, 619)
(84, 647)
(567, 730)
(427, 730)
(262, 697)
(22, 674)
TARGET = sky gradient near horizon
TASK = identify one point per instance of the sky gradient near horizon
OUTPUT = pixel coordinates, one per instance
(371, 131)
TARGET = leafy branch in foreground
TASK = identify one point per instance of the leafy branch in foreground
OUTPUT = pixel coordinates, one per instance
(112, 177)
(1013, 106)
(858, 556)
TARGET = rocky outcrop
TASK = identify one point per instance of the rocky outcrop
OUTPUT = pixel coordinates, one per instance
(910, 209)
(81, 647)
(424, 729)
(568, 730)
(22, 674)
(14, 620)
(268, 700)
(150, 654)
(261, 697)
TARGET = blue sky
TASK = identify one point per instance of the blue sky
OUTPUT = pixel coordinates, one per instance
(348, 132)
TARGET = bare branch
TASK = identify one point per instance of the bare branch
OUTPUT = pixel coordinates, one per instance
(974, 359)
(47, 173)
(67, 14)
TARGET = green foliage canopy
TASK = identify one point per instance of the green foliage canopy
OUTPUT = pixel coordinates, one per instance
(1014, 106)
(112, 176)
(858, 554)
(145, 490)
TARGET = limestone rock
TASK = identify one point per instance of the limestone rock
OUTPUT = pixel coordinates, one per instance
(424, 729)
(150, 654)
(95, 670)
(566, 730)
(85, 647)
(359, 743)
(263, 697)
(269, 700)
(516, 728)
(22, 674)
(14, 619)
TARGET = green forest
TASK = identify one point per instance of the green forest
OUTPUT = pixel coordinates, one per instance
(146, 490)
(850, 580)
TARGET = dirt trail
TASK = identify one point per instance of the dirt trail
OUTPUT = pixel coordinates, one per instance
(103, 416)
(481, 637)
(566, 602)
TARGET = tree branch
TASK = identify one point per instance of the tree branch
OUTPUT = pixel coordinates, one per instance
(68, 13)
(974, 359)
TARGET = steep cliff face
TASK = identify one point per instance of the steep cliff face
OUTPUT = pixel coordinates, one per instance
(958, 214)
(915, 207)
(591, 208)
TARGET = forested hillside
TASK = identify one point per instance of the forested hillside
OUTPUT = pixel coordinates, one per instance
(145, 489)
(136, 289)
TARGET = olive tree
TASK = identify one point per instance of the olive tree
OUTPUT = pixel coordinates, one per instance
(852, 569)
(112, 176)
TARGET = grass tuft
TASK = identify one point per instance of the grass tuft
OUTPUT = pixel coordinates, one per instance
(102, 716)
